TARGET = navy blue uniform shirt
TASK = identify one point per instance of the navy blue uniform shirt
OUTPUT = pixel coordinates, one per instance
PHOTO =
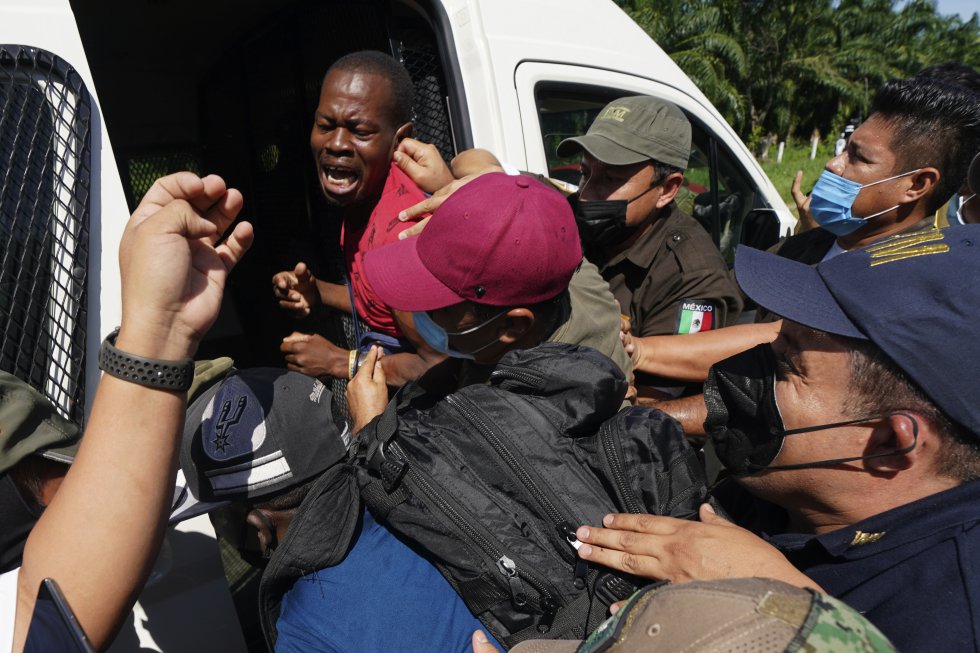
(913, 571)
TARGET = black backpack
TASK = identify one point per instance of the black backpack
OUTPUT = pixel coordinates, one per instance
(491, 482)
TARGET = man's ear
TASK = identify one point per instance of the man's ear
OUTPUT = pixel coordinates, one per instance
(262, 522)
(517, 322)
(670, 186)
(921, 184)
(403, 132)
(895, 443)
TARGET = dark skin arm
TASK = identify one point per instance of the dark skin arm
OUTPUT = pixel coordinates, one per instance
(316, 356)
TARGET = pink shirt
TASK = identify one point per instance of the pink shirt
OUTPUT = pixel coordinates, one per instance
(382, 228)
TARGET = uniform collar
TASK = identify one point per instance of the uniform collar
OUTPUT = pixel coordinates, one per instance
(642, 252)
(928, 519)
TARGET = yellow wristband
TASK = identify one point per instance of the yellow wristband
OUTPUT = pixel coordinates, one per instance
(351, 364)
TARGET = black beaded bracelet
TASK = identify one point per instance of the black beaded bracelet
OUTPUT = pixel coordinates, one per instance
(151, 372)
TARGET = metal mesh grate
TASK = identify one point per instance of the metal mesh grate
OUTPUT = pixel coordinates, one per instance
(144, 168)
(44, 224)
(418, 54)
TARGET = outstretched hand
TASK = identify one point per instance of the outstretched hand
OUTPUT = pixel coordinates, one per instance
(802, 202)
(666, 548)
(172, 268)
(296, 290)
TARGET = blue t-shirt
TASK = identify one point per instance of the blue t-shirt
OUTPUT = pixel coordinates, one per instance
(382, 597)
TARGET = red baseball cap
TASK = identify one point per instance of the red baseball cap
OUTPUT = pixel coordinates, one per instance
(500, 240)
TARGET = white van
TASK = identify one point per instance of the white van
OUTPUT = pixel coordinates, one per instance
(100, 97)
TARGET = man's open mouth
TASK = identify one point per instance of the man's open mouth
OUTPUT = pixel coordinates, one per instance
(337, 180)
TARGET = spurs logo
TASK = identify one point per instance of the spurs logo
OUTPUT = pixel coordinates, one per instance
(228, 418)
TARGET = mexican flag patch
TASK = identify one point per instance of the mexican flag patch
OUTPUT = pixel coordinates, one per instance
(695, 316)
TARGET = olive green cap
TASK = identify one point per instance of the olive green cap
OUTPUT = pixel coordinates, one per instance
(635, 129)
(741, 614)
(30, 424)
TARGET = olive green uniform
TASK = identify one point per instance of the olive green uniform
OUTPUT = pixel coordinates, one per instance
(673, 263)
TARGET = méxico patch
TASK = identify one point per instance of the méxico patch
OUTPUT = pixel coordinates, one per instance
(695, 315)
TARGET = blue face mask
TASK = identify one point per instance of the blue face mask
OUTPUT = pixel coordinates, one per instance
(831, 200)
(438, 338)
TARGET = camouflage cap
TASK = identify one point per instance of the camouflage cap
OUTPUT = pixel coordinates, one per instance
(30, 424)
(635, 129)
(741, 614)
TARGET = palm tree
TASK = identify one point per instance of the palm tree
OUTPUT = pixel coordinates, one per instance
(694, 36)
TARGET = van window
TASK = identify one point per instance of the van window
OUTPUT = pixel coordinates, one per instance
(44, 223)
(717, 191)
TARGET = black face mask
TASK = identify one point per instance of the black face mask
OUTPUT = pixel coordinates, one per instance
(602, 223)
(744, 423)
(17, 518)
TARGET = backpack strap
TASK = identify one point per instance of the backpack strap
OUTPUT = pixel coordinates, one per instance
(372, 452)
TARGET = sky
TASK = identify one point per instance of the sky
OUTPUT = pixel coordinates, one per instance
(965, 8)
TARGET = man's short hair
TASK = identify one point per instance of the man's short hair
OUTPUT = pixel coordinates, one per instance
(953, 72)
(879, 387)
(935, 123)
(373, 62)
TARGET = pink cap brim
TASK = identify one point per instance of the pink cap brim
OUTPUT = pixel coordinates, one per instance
(401, 280)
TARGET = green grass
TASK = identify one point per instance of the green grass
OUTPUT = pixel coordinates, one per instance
(795, 157)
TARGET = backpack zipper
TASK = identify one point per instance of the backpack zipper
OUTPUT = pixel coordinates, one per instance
(631, 503)
(554, 514)
(563, 525)
(529, 378)
(509, 569)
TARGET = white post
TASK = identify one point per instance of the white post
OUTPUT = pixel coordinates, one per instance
(813, 148)
(779, 153)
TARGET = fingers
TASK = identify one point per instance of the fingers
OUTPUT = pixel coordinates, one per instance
(707, 515)
(411, 147)
(180, 185)
(407, 164)
(206, 195)
(481, 644)
(208, 198)
(178, 217)
(223, 210)
(233, 249)
(796, 189)
(378, 375)
(370, 362)
(291, 342)
(302, 273)
(428, 205)
(371, 369)
(415, 229)
(282, 281)
(639, 564)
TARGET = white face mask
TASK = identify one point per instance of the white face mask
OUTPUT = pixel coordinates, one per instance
(959, 209)
(954, 211)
